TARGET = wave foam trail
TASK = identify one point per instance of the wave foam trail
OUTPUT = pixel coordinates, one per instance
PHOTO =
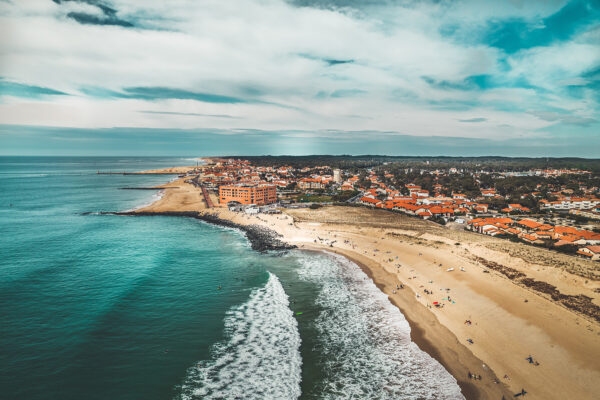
(365, 341)
(261, 356)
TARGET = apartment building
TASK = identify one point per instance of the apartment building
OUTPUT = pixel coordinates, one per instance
(248, 194)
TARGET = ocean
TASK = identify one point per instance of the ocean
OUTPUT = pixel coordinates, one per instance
(116, 307)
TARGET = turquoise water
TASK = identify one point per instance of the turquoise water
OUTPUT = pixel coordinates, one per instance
(111, 307)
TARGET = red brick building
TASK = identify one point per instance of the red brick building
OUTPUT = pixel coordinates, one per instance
(248, 194)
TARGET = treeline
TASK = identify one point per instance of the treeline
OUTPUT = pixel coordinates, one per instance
(485, 163)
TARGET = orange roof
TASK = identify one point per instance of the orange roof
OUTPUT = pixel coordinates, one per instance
(529, 223)
(593, 249)
(570, 238)
(564, 229)
(370, 200)
(589, 235)
(506, 221)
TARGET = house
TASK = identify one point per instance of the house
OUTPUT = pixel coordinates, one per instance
(528, 224)
(531, 239)
(591, 252)
(573, 239)
(589, 237)
(310, 183)
(516, 208)
(491, 230)
(252, 209)
(481, 208)
(542, 234)
(369, 201)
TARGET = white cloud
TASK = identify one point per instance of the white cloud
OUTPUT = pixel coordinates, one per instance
(258, 49)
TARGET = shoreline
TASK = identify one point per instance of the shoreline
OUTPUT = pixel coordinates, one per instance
(505, 329)
(413, 312)
(264, 239)
(418, 319)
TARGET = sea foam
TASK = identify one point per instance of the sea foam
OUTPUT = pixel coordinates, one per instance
(364, 341)
(260, 358)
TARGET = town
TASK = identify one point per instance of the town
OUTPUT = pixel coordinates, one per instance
(555, 208)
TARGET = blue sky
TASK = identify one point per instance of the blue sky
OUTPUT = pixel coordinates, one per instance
(300, 77)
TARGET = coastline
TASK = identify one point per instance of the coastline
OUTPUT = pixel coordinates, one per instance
(432, 337)
(415, 314)
(505, 330)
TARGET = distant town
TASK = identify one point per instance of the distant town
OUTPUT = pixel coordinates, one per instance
(555, 208)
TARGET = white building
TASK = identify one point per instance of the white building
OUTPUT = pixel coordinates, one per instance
(337, 176)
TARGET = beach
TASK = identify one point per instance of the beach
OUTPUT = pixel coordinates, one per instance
(472, 280)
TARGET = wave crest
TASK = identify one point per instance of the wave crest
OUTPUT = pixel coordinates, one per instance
(260, 358)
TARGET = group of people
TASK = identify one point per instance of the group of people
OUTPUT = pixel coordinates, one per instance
(474, 376)
(532, 361)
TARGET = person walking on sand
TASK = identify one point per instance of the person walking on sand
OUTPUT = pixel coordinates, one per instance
(530, 359)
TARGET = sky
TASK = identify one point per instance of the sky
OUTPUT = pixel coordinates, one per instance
(251, 77)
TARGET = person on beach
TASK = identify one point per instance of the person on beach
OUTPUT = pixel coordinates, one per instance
(521, 393)
(530, 359)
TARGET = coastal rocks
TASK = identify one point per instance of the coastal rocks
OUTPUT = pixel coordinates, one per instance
(261, 239)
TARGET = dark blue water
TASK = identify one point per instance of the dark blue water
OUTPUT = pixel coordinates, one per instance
(110, 307)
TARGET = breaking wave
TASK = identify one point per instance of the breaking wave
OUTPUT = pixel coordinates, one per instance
(260, 358)
(364, 340)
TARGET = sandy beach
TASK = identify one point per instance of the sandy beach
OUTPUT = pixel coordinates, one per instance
(472, 278)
